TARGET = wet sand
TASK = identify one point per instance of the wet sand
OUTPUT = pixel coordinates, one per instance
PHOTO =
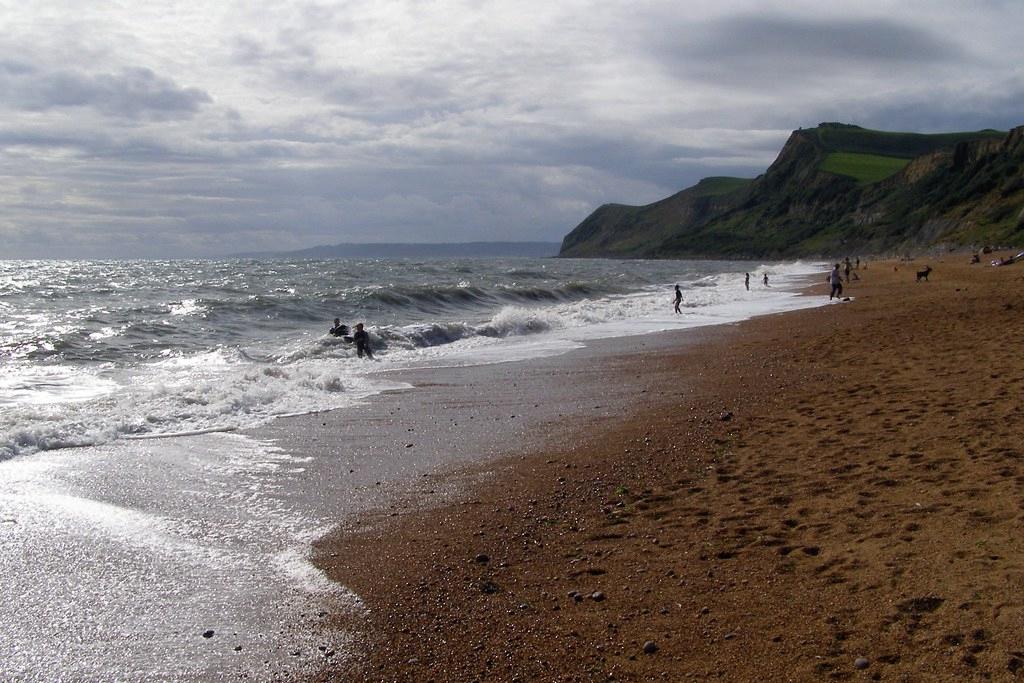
(836, 493)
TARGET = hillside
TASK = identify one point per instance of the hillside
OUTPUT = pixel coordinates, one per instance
(833, 189)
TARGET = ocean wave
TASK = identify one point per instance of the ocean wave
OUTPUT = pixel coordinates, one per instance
(187, 346)
(513, 321)
(427, 298)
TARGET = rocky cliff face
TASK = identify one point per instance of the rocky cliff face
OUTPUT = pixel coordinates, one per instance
(966, 192)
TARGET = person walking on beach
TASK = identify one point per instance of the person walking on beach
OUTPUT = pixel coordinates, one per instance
(362, 341)
(678, 299)
(766, 280)
(746, 281)
(836, 281)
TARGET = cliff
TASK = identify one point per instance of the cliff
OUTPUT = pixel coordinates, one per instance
(833, 189)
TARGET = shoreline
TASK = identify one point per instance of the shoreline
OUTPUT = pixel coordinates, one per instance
(772, 507)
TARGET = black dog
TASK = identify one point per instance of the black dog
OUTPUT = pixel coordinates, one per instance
(923, 274)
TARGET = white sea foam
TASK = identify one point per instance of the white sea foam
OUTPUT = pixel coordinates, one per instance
(187, 307)
(179, 395)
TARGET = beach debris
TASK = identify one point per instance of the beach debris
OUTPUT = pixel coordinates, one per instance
(208, 633)
(650, 647)
(725, 416)
(238, 648)
(861, 663)
(482, 558)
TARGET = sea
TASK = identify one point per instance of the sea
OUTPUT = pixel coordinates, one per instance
(145, 534)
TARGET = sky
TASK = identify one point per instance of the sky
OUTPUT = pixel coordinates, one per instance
(193, 128)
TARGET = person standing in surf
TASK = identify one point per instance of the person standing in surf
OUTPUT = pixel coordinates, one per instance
(766, 280)
(746, 281)
(362, 341)
(678, 299)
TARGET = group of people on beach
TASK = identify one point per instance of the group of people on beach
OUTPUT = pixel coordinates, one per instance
(678, 300)
(835, 278)
(360, 338)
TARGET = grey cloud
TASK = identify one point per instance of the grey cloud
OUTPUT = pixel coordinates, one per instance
(874, 40)
(766, 50)
(132, 93)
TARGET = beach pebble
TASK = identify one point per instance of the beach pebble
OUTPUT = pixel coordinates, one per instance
(650, 647)
(489, 587)
(597, 596)
(861, 663)
(208, 634)
(725, 416)
(482, 558)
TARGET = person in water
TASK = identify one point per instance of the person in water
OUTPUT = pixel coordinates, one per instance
(766, 280)
(339, 330)
(679, 299)
(746, 281)
(362, 340)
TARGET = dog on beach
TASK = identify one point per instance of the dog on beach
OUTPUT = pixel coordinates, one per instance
(923, 274)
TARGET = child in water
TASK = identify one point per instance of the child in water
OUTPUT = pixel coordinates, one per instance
(362, 340)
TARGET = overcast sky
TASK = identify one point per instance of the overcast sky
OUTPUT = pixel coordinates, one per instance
(194, 128)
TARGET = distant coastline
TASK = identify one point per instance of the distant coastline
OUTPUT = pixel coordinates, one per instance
(414, 250)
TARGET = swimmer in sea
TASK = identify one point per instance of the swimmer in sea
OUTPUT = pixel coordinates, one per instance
(339, 330)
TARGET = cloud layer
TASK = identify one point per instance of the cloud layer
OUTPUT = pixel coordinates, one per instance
(185, 130)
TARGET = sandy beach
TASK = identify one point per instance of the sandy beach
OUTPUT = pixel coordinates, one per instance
(835, 493)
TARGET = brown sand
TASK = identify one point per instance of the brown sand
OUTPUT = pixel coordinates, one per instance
(809, 489)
